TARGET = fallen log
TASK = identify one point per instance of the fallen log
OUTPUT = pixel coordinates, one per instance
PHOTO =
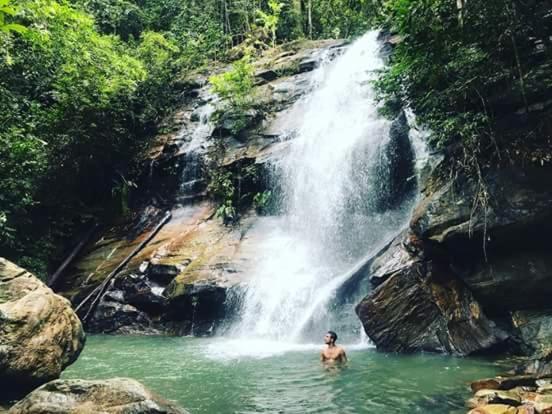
(98, 292)
(54, 278)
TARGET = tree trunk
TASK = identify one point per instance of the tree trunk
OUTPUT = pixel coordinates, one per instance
(309, 18)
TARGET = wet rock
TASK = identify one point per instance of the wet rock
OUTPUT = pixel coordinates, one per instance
(266, 75)
(523, 278)
(112, 396)
(527, 386)
(399, 255)
(202, 305)
(535, 329)
(545, 388)
(484, 397)
(504, 382)
(526, 409)
(543, 407)
(498, 256)
(234, 124)
(423, 307)
(162, 273)
(540, 367)
(40, 334)
(116, 317)
(395, 161)
(494, 409)
(141, 292)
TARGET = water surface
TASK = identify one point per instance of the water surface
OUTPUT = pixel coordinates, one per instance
(215, 376)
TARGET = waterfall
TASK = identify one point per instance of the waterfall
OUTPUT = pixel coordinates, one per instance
(332, 185)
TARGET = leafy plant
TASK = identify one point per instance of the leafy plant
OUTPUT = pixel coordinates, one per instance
(9, 10)
(221, 188)
(262, 201)
(271, 19)
(235, 87)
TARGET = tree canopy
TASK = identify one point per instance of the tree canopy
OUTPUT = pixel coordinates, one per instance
(85, 83)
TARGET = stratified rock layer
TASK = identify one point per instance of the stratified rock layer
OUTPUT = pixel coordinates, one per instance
(112, 396)
(422, 308)
(444, 282)
(39, 332)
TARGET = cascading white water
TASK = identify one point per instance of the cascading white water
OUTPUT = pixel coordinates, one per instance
(331, 217)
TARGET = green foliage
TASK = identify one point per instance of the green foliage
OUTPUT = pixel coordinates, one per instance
(270, 20)
(262, 202)
(8, 10)
(235, 87)
(76, 106)
(342, 18)
(221, 188)
(119, 17)
(463, 69)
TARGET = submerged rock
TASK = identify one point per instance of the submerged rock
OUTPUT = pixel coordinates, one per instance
(39, 332)
(112, 396)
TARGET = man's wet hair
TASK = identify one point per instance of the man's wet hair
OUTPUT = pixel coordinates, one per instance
(333, 335)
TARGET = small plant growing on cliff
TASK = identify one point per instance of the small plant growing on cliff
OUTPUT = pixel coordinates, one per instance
(227, 212)
(261, 202)
(235, 87)
(222, 189)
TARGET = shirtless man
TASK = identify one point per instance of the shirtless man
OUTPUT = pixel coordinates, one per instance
(332, 352)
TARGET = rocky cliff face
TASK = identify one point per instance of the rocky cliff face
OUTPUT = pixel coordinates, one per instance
(183, 281)
(464, 279)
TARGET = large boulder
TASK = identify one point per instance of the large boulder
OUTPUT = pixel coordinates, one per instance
(112, 396)
(39, 332)
(424, 307)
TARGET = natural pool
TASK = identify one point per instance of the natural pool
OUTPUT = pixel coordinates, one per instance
(216, 376)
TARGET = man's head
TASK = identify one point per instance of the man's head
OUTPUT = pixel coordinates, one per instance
(330, 338)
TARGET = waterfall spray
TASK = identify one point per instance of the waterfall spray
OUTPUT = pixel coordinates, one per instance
(331, 219)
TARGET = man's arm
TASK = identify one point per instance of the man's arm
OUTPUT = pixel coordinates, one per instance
(322, 356)
(343, 355)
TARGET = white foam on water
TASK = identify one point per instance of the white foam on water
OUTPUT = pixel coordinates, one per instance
(239, 349)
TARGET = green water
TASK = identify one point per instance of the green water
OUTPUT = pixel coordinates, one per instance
(217, 376)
